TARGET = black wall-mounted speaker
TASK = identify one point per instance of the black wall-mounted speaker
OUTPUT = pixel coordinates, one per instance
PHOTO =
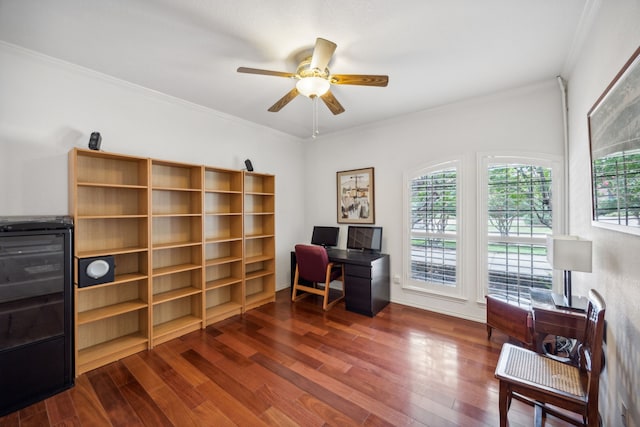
(94, 141)
(95, 270)
(248, 164)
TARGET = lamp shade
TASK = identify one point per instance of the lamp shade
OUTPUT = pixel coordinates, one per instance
(569, 253)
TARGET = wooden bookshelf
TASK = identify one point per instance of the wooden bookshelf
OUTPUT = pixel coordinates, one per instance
(259, 239)
(108, 199)
(223, 244)
(176, 249)
(192, 245)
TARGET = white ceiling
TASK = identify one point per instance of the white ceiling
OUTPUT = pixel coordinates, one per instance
(434, 51)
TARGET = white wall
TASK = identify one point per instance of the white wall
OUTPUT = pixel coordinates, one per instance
(523, 120)
(614, 36)
(47, 107)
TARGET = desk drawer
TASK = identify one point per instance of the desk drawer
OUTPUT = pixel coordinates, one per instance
(357, 271)
(358, 288)
(358, 295)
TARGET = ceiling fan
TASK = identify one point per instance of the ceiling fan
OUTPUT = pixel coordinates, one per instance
(314, 78)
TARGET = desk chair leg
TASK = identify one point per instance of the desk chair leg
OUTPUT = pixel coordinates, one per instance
(295, 285)
(294, 293)
(325, 303)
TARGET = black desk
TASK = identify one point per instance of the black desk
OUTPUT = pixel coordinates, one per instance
(366, 279)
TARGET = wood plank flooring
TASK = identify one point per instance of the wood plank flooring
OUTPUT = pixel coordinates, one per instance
(289, 364)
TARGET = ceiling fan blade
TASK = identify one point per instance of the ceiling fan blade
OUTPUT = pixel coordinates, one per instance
(322, 54)
(284, 100)
(332, 103)
(359, 79)
(265, 72)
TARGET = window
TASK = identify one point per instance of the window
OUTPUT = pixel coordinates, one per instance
(432, 243)
(517, 201)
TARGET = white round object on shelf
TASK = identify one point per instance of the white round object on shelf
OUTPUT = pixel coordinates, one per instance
(97, 268)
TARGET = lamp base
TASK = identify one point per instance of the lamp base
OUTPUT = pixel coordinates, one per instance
(576, 303)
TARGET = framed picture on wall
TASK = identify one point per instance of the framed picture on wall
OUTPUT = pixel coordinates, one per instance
(355, 194)
(614, 136)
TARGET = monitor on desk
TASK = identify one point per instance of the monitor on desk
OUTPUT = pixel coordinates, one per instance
(366, 239)
(325, 236)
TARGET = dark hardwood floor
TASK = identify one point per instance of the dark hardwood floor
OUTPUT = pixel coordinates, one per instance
(289, 364)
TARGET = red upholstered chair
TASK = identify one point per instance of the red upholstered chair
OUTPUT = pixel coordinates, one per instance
(546, 383)
(312, 265)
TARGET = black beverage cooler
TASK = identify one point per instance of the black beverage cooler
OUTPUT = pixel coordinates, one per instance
(36, 309)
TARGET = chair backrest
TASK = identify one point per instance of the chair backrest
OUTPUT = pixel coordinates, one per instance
(312, 262)
(590, 357)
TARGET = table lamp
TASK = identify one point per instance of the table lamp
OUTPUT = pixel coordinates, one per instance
(568, 253)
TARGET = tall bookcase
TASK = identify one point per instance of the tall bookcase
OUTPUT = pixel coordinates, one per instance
(259, 239)
(192, 245)
(224, 290)
(109, 202)
(176, 235)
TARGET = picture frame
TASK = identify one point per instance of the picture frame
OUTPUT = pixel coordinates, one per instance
(355, 196)
(614, 147)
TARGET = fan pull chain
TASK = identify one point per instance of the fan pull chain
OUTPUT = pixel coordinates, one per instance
(315, 131)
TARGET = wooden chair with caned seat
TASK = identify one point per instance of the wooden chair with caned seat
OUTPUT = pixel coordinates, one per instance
(549, 384)
(312, 265)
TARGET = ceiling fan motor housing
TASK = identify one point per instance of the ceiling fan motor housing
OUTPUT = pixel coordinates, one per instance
(305, 70)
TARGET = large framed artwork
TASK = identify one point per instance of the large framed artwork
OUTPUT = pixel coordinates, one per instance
(614, 137)
(356, 196)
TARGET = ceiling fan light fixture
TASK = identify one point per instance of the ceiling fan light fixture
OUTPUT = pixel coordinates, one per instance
(313, 86)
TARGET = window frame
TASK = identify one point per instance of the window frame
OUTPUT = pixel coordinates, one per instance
(408, 283)
(484, 160)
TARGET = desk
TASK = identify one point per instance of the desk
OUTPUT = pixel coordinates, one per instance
(551, 320)
(530, 324)
(366, 279)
